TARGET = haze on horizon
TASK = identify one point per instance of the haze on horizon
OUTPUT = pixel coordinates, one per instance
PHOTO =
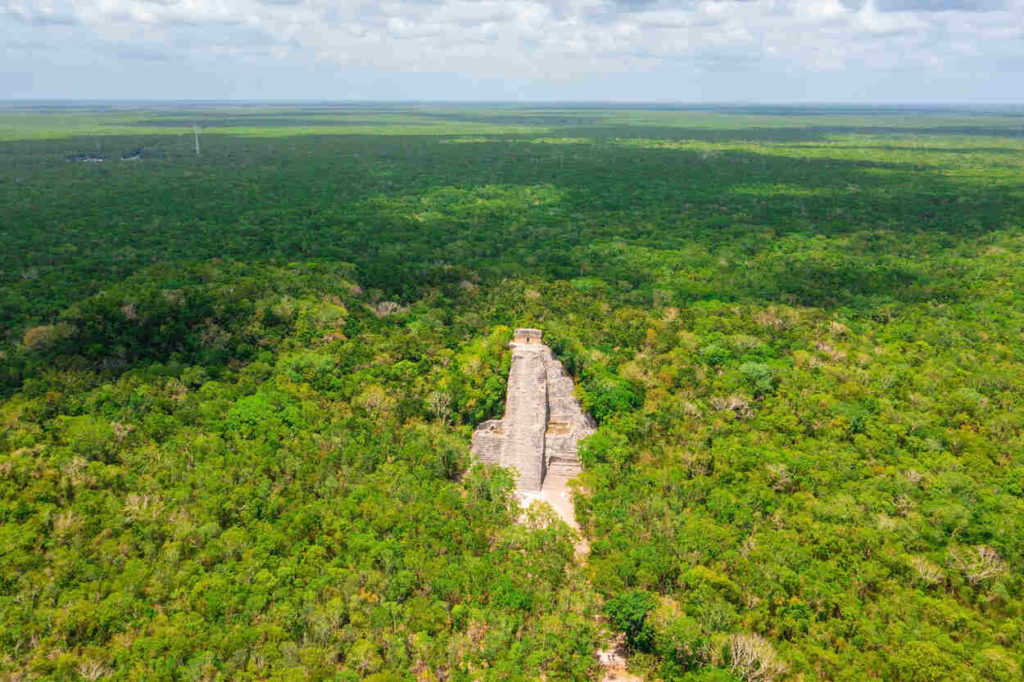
(856, 51)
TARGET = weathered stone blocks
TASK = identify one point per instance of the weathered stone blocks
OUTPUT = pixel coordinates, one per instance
(543, 422)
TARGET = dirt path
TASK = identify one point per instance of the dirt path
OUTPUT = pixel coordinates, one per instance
(614, 662)
(612, 656)
(555, 491)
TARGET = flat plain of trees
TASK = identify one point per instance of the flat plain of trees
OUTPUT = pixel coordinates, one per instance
(238, 391)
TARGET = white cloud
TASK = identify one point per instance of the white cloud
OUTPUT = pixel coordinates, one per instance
(531, 45)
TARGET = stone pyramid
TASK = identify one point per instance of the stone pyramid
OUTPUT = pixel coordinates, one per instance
(543, 421)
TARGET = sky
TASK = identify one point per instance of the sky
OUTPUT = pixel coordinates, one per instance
(851, 51)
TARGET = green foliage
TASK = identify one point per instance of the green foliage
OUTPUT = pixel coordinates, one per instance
(759, 377)
(922, 662)
(681, 644)
(238, 391)
(89, 437)
(628, 612)
(605, 446)
(605, 395)
(715, 354)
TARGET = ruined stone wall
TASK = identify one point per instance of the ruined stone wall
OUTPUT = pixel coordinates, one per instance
(567, 423)
(543, 422)
(488, 441)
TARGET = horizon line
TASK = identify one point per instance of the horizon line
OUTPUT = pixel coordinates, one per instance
(358, 100)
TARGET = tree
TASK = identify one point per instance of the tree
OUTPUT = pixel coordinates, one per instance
(628, 614)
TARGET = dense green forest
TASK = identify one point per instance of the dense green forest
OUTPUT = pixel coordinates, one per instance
(238, 389)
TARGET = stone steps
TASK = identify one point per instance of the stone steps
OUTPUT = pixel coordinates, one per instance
(543, 421)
